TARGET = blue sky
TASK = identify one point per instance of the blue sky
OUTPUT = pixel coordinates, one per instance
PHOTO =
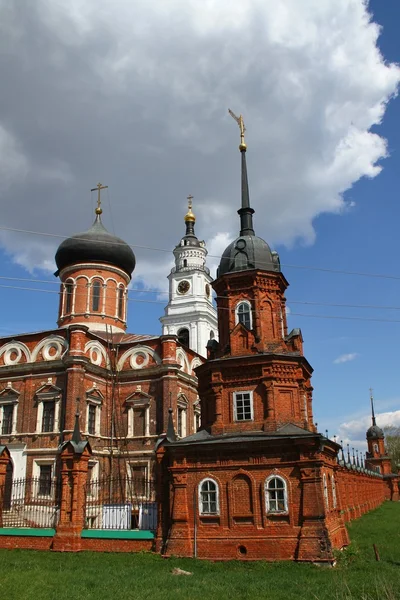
(360, 236)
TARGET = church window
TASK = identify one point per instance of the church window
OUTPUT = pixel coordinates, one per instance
(276, 495)
(45, 480)
(91, 419)
(376, 449)
(334, 498)
(182, 416)
(326, 495)
(184, 262)
(96, 295)
(243, 314)
(121, 302)
(69, 290)
(243, 406)
(7, 419)
(208, 497)
(48, 416)
(183, 336)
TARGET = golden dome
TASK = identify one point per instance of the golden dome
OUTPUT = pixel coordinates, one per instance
(190, 217)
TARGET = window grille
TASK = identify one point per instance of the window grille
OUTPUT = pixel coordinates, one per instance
(92, 419)
(8, 412)
(243, 406)
(45, 480)
(209, 504)
(48, 416)
(276, 495)
(244, 314)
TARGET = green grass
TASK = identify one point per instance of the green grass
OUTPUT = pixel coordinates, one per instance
(30, 575)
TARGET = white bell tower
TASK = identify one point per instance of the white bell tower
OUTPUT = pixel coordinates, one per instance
(190, 313)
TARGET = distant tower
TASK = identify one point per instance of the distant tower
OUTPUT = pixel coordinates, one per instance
(377, 457)
(190, 313)
(95, 269)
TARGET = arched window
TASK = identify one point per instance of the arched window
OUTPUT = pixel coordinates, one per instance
(326, 496)
(208, 497)
(96, 295)
(276, 495)
(184, 262)
(183, 336)
(69, 291)
(376, 449)
(334, 499)
(121, 302)
(243, 314)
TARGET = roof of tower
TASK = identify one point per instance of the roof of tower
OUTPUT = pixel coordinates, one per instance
(190, 238)
(375, 433)
(95, 245)
(247, 251)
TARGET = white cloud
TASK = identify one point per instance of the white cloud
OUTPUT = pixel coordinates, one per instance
(343, 358)
(137, 94)
(354, 431)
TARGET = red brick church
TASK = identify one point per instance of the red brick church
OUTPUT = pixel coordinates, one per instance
(117, 441)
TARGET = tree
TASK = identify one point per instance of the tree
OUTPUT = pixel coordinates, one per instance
(392, 442)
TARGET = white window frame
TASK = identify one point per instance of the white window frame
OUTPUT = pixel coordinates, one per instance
(182, 407)
(37, 463)
(326, 494)
(235, 394)
(200, 500)
(97, 404)
(41, 398)
(9, 402)
(248, 303)
(138, 404)
(285, 495)
(334, 496)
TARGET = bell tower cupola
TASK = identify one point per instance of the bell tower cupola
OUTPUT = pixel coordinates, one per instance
(190, 313)
(95, 268)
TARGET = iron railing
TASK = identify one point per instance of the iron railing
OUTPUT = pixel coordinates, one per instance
(120, 503)
(31, 502)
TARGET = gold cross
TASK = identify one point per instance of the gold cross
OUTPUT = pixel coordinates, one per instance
(240, 122)
(99, 187)
(189, 199)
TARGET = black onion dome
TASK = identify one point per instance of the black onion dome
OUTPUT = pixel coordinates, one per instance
(95, 245)
(375, 433)
(248, 252)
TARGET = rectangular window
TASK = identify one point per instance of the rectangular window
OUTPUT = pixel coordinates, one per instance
(139, 422)
(91, 419)
(243, 406)
(138, 480)
(49, 409)
(8, 412)
(45, 480)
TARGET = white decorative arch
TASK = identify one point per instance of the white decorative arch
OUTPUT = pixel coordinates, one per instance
(52, 347)
(196, 362)
(15, 347)
(182, 359)
(145, 352)
(100, 277)
(97, 353)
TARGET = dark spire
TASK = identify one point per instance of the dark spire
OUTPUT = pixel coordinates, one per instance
(341, 443)
(348, 453)
(171, 435)
(76, 436)
(372, 407)
(245, 212)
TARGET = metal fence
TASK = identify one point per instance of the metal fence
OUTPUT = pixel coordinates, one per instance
(31, 502)
(120, 503)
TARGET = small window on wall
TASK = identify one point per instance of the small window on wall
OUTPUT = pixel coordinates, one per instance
(45, 473)
(92, 419)
(96, 294)
(326, 496)
(276, 495)
(69, 290)
(49, 409)
(183, 336)
(208, 497)
(243, 314)
(7, 419)
(243, 406)
(334, 498)
(121, 303)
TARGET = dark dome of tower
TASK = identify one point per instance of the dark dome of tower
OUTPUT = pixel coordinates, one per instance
(95, 245)
(248, 252)
(375, 433)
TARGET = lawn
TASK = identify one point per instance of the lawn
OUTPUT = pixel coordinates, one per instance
(29, 575)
